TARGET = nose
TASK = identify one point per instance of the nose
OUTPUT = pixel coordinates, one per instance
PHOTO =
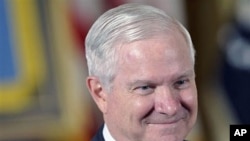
(167, 102)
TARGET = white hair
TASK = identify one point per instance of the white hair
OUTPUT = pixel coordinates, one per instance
(125, 24)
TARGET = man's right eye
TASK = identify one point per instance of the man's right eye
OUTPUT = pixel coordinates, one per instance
(144, 89)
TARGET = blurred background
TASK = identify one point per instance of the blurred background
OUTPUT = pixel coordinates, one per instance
(43, 96)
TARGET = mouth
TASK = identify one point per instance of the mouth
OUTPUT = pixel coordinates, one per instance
(163, 119)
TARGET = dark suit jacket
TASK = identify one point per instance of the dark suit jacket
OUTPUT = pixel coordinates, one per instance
(99, 136)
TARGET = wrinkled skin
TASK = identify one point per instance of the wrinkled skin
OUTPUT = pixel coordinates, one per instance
(154, 96)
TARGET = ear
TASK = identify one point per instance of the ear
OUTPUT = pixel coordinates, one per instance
(97, 92)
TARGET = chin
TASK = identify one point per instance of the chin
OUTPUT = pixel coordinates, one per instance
(166, 135)
(166, 138)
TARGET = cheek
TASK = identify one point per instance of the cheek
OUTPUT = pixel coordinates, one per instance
(116, 103)
(189, 98)
(141, 106)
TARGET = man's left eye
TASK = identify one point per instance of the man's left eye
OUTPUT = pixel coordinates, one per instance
(181, 84)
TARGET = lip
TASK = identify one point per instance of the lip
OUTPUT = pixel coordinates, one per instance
(165, 122)
(163, 119)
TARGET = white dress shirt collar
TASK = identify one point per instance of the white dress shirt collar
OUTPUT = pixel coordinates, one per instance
(106, 134)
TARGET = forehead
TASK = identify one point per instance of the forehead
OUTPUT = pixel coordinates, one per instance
(160, 56)
(158, 47)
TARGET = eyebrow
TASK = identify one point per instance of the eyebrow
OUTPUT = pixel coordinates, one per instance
(188, 73)
(140, 82)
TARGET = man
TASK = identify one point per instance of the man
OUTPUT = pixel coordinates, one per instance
(141, 75)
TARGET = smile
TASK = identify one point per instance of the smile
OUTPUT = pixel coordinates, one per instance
(157, 119)
(165, 122)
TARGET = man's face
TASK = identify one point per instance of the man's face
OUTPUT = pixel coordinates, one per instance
(154, 96)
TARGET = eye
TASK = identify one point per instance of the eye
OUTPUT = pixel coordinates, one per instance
(181, 84)
(144, 89)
